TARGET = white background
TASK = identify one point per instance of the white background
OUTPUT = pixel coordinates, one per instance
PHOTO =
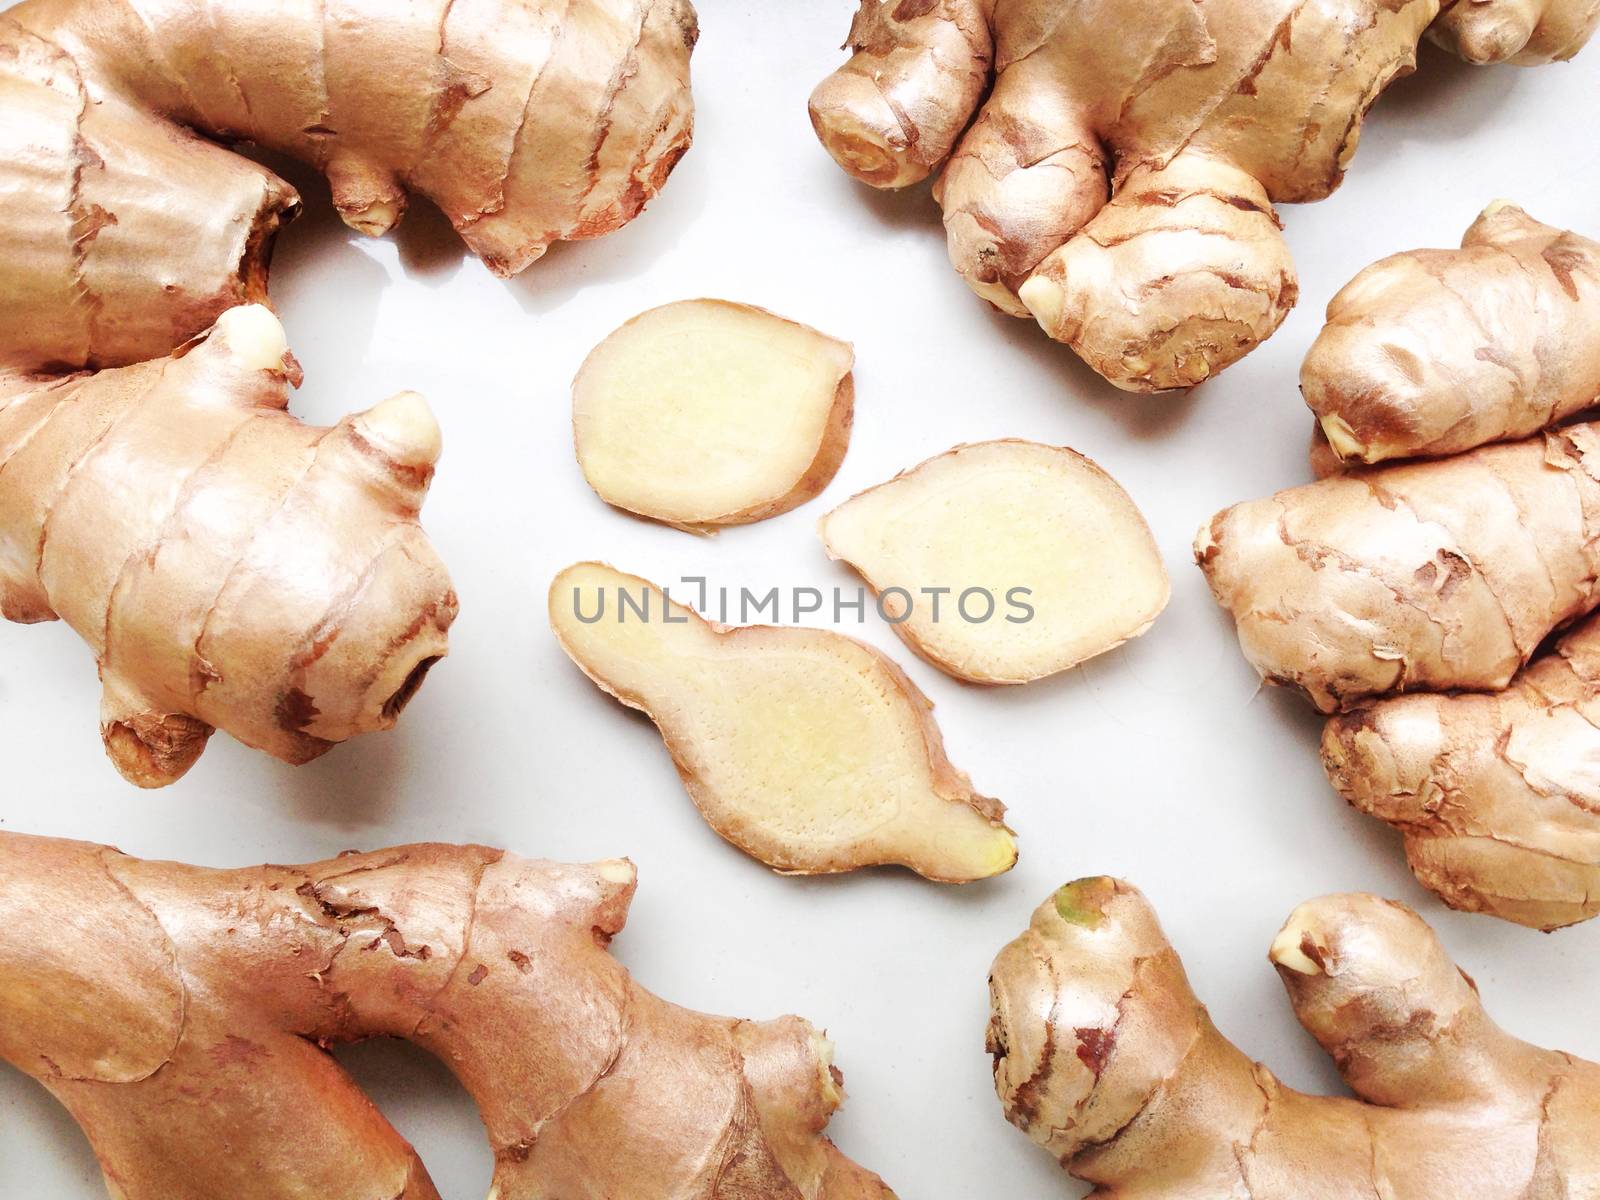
(1161, 762)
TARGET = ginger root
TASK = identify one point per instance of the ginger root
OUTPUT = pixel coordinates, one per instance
(706, 413)
(229, 567)
(1429, 575)
(1118, 182)
(182, 1016)
(1498, 796)
(122, 234)
(1524, 32)
(806, 749)
(1450, 573)
(1039, 557)
(1433, 352)
(1104, 1056)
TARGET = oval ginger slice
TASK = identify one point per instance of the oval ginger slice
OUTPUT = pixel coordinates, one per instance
(808, 750)
(1005, 561)
(705, 413)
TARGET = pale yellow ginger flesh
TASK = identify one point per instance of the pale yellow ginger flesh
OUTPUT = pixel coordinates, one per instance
(1498, 796)
(183, 1015)
(122, 234)
(1321, 457)
(1104, 1056)
(228, 566)
(806, 749)
(705, 413)
(1003, 562)
(1423, 576)
(1433, 352)
(1110, 169)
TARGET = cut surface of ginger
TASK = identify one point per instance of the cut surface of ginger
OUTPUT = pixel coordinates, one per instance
(806, 749)
(1005, 561)
(705, 413)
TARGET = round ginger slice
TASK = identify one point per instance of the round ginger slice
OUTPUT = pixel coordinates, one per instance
(704, 413)
(1005, 561)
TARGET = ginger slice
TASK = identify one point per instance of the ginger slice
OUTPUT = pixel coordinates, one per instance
(806, 749)
(705, 413)
(1004, 562)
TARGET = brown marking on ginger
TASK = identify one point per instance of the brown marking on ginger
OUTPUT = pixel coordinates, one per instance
(254, 976)
(1566, 261)
(296, 710)
(1095, 1047)
(1031, 1092)
(236, 1051)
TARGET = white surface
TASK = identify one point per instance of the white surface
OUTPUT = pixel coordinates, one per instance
(1160, 762)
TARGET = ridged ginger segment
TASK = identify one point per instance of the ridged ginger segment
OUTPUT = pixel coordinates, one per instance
(1003, 562)
(1422, 576)
(182, 1015)
(808, 750)
(1117, 182)
(1432, 352)
(228, 566)
(1524, 32)
(1447, 574)
(1104, 1056)
(1498, 795)
(524, 121)
(705, 413)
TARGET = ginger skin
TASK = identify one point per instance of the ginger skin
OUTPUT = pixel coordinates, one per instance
(1104, 1056)
(1433, 352)
(1498, 796)
(1523, 32)
(1448, 574)
(181, 1015)
(1423, 576)
(228, 566)
(1118, 181)
(122, 234)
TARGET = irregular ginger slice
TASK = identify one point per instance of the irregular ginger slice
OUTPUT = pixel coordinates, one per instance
(805, 748)
(961, 547)
(706, 413)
